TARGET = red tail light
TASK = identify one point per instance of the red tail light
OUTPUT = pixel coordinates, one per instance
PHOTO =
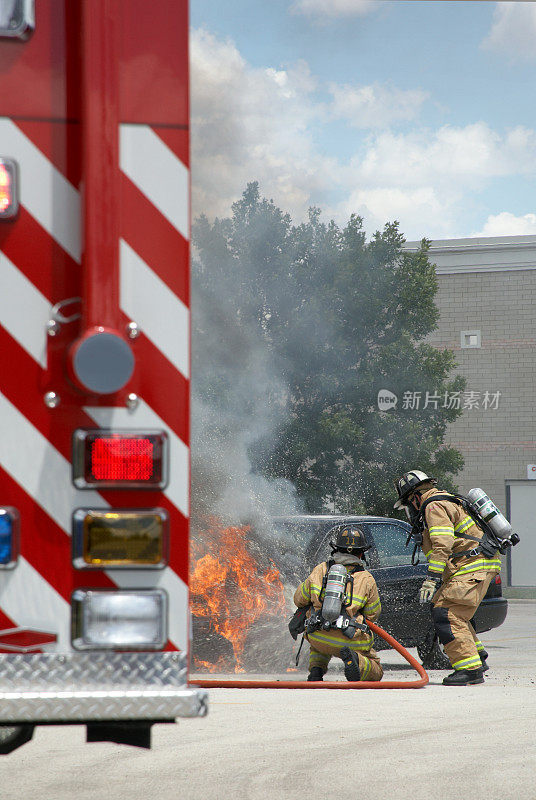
(119, 459)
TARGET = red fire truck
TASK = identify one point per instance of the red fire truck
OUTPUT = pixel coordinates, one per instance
(94, 384)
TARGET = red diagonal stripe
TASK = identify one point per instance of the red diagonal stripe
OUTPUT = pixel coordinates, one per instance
(57, 277)
(6, 622)
(155, 240)
(177, 139)
(21, 387)
(163, 387)
(46, 546)
(59, 141)
(42, 260)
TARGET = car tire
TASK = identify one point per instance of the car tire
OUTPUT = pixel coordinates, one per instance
(432, 657)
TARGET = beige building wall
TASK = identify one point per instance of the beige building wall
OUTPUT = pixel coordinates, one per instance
(487, 296)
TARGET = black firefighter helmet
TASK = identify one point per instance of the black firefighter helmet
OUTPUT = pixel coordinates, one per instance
(407, 484)
(348, 538)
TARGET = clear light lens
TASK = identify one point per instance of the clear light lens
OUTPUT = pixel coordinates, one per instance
(17, 18)
(120, 459)
(133, 619)
(120, 538)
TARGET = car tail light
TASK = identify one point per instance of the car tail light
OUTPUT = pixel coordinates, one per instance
(125, 619)
(9, 537)
(113, 459)
(120, 538)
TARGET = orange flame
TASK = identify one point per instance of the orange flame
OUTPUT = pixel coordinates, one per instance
(230, 588)
(207, 666)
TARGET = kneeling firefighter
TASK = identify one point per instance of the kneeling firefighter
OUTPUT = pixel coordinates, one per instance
(341, 593)
(459, 572)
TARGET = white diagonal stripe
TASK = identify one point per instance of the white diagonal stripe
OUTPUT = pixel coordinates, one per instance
(144, 417)
(39, 468)
(161, 315)
(45, 475)
(44, 192)
(24, 311)
(27, 471)
(31, 601)
(157, 172)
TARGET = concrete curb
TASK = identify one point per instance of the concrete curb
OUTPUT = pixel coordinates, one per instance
(519, 593)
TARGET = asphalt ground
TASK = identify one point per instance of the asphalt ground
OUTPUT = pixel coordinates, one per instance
(439, 742)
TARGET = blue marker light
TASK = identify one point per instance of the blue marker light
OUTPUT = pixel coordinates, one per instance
(6, 537)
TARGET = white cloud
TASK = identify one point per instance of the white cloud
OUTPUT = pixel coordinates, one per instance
(420, 210)
(425, 179)
(507, 224)
(450, 156)
(260, 124)
(256, 124)
(513, 31)
(252, 124)
(335, 8)
(375, 106)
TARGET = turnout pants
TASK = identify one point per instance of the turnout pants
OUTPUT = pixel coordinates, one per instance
(325, 644)
(454, 605)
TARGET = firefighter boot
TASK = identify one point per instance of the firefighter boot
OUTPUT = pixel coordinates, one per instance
(464, 677)
(483, 657)
(351, 664)
(316, 674)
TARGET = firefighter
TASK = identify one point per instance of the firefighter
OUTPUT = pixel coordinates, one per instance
(458, 574)
(347, 594)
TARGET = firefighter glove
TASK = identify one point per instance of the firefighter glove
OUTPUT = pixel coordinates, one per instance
(428, 589)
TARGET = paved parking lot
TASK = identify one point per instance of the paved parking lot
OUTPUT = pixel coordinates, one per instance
(442, 743)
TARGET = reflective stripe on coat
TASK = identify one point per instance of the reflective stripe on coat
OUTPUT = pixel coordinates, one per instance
(443, 521)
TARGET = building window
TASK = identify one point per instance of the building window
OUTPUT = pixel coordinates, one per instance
(470, 339)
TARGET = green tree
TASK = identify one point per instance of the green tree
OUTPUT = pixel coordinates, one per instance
(341, 318)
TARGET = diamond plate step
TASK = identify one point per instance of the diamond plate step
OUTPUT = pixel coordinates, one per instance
(80, 687)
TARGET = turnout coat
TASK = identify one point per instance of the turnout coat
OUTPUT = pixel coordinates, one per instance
(365, 604)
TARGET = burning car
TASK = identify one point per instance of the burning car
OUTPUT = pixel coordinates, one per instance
(237, 600)
(242, 579)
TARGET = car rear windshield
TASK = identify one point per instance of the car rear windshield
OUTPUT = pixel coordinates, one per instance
(305, 534)
(390, 541)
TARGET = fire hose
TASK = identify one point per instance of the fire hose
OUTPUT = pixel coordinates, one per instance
(424, 679)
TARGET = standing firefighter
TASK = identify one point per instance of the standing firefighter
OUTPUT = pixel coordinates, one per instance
(458, 572)
(342, 593)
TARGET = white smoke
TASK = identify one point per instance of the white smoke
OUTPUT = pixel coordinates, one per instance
(239, 399)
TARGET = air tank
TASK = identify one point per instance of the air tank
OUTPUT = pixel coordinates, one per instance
(490, 513)
(334, 592)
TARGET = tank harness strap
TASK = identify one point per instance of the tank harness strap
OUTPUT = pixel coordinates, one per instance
(453, 498)
(476, 551)
(359, 625)
(299, 650)
(316, 621)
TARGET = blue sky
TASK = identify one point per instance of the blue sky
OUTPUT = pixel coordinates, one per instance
(421, 111)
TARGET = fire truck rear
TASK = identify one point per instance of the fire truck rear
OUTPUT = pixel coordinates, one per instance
(94, 387)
